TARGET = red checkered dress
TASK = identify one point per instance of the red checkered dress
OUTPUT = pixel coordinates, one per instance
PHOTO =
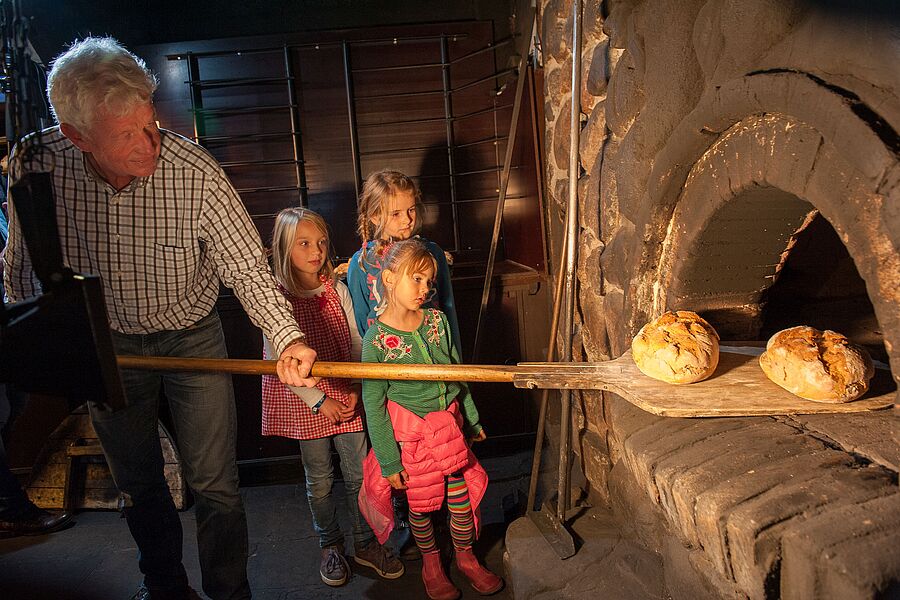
(324, 322)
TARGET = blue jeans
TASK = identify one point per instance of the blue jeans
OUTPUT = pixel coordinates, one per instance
(203, 412)
(319, 469)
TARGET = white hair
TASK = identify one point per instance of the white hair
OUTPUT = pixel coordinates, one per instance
(97, 72)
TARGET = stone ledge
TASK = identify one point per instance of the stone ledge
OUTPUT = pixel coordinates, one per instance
(872, 435)
(735, 489)
(849, 553)
(756, 526)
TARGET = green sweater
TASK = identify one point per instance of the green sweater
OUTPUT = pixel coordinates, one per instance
(431, 343)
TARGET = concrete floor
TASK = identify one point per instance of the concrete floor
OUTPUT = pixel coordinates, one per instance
(608, 564)
(96, 559)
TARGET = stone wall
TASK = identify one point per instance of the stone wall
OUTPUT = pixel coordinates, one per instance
(689, 108)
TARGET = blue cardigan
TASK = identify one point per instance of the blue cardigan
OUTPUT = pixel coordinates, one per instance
(361, 281)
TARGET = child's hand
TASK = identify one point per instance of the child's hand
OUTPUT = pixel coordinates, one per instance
(352, 408)
(480, 436)
(398, 480)
(332, 410)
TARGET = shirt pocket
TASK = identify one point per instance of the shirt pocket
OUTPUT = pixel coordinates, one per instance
(169, 266)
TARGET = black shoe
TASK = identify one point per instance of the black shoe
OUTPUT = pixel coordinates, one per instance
(33, 521)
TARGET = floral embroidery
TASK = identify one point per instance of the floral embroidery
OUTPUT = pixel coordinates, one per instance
(435, 331)
(391, 345)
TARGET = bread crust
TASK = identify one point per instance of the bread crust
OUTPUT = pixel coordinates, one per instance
(823, 366)
(678, 347)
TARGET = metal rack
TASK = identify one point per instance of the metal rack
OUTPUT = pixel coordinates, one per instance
(449, 118)
(200, 113)
(291, 109)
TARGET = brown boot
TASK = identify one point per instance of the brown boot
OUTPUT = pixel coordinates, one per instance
(437, 586)
(482, 580)
(381, 559)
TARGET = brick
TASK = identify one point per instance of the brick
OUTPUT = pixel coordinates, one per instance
(756, 526)
(869, 434)
(624, 418)
(712, 507)
(659, 428)
(883, 574)
(849, 553)
(707, 463)
(647, 447)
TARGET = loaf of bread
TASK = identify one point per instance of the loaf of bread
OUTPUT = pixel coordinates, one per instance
(817, 365)
(678, 347)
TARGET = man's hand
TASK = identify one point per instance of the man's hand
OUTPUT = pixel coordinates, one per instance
(294, 364)
(398, 480)
(480, 436)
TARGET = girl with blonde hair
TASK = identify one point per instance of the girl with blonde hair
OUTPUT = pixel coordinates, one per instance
(420, 430)
(326, 415)
(390, 210)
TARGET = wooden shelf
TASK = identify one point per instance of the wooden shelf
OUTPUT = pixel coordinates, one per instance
(738, 388)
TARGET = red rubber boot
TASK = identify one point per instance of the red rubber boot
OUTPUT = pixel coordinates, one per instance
(437, 585)
(483, 581)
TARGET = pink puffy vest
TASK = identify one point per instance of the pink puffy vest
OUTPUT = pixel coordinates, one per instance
(431, 448)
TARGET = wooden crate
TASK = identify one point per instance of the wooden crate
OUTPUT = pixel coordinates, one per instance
(71, 457)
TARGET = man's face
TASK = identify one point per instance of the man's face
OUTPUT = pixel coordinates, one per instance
(122, 148)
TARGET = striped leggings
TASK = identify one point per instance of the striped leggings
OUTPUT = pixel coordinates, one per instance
(462, 522)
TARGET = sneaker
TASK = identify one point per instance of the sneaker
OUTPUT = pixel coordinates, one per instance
(144, 594)
(334, 568)
(381, 559)
(141, 594)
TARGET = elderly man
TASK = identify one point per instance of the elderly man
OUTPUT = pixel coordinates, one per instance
(156, 217)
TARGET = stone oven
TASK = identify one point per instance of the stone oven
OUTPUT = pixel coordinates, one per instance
(742, 160)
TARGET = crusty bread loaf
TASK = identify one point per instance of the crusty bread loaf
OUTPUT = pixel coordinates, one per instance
(678, 347)
(817, 365)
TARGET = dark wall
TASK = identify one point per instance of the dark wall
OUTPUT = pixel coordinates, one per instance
(143, 22)
(149, 28)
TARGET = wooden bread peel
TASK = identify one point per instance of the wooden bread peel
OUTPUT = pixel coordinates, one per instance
(738, 388)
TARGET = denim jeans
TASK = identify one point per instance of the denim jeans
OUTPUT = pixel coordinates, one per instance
(203, 412)
(319, 469)
(12, 498)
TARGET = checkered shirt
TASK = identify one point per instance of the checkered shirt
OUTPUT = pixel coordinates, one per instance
(324, 321)
(161, 245)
